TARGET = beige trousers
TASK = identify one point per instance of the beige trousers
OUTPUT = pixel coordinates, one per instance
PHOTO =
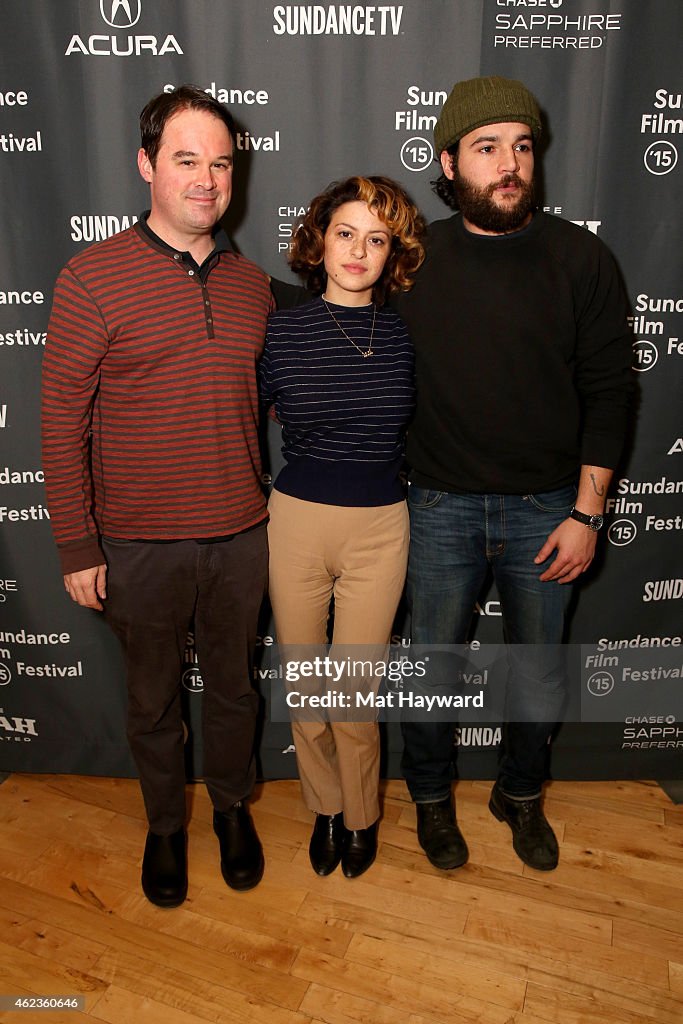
(359, 556)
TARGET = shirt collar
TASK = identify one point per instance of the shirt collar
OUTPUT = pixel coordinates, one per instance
(221, 241)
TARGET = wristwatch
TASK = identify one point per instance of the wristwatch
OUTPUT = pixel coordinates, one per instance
(592, 522)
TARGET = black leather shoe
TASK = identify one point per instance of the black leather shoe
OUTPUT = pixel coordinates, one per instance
(533, 839)
(360, 850)
(439, 836)
(164, 869)
(327, 842)
(242, 860)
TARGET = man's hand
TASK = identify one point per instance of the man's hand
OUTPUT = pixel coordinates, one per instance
(575, 546)
(87, 587)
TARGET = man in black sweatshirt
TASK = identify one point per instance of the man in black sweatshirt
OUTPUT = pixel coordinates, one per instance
(523, 359)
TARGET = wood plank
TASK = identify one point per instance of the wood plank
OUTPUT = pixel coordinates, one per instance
(456, 978)
(422, 938)
(506, 895)
(290, 927)
(569, 887)
(369, 891)
(342, 1008)
(323, 910)
(659, 842)
(56, 944)
(37, 975)
(168, 984)
(676, 981)
(149, 943)
(646, 938)
(509, 932)
(119, 1006)
(122, 796)
(403, 993)
(643, 801)
(563, 1007)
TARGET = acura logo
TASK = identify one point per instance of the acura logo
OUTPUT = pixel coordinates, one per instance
(121, 13)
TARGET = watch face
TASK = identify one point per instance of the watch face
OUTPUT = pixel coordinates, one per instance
(596, 522)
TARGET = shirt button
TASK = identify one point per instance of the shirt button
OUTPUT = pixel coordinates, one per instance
(176, 256)
(191, 273)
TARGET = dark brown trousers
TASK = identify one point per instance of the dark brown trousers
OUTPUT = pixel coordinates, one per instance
(154, 593)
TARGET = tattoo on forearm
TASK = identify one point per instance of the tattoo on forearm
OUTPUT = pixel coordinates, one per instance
(598, 488)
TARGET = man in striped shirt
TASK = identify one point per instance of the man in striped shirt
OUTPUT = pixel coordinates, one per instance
(152, 468)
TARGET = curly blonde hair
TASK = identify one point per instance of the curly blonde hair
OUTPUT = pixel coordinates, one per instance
(387, 200)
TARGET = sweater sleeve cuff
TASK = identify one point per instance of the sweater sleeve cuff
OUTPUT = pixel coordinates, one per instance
(599, 450)
(80, 554)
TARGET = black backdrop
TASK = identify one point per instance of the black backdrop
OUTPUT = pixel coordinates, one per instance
(320, 91)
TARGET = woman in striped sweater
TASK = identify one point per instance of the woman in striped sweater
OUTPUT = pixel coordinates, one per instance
(339, 373)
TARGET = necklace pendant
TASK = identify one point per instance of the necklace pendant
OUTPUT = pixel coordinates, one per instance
(368, 353)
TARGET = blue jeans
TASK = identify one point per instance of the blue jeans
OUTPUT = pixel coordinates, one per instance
(455, 539)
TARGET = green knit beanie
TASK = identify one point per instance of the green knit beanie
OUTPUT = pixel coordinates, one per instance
(481, 101)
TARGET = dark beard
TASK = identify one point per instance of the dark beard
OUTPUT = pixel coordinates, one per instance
(479, 208)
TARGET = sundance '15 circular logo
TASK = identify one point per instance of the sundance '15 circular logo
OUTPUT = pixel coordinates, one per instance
(192, 680)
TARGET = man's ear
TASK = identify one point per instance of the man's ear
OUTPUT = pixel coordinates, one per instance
(447, 163)
(145, 166)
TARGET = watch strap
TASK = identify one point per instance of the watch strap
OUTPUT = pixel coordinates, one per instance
(593, 522)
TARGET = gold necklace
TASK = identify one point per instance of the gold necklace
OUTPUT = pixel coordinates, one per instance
(364, 352)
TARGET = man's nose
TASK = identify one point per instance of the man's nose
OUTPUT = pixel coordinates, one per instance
(509, 161)
(205, 177)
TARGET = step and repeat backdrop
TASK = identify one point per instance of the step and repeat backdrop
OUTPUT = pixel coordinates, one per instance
(321, 91)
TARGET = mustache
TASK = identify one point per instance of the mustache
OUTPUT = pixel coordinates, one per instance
(505, 181)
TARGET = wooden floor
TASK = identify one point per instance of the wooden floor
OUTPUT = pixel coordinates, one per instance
(599, 940)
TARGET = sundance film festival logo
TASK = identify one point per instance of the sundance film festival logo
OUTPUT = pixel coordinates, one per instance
(122, 15)
(191, 677)
(661, 156)
(192, 680)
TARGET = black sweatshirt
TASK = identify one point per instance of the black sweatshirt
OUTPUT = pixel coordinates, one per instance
(523, 358)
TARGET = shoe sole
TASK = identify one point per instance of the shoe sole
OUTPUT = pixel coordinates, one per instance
(240, 887)
(446, 865)
(167, 903)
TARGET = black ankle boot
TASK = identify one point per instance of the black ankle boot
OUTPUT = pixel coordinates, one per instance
(327, 842)
(242, 860)
(533, 839)
(438, 834)
(359, 850)
(164, 869)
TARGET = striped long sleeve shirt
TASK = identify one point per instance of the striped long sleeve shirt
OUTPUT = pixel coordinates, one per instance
(343, 415)
(150, 402)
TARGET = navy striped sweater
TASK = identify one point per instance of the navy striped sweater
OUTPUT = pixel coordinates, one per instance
(343, 416)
